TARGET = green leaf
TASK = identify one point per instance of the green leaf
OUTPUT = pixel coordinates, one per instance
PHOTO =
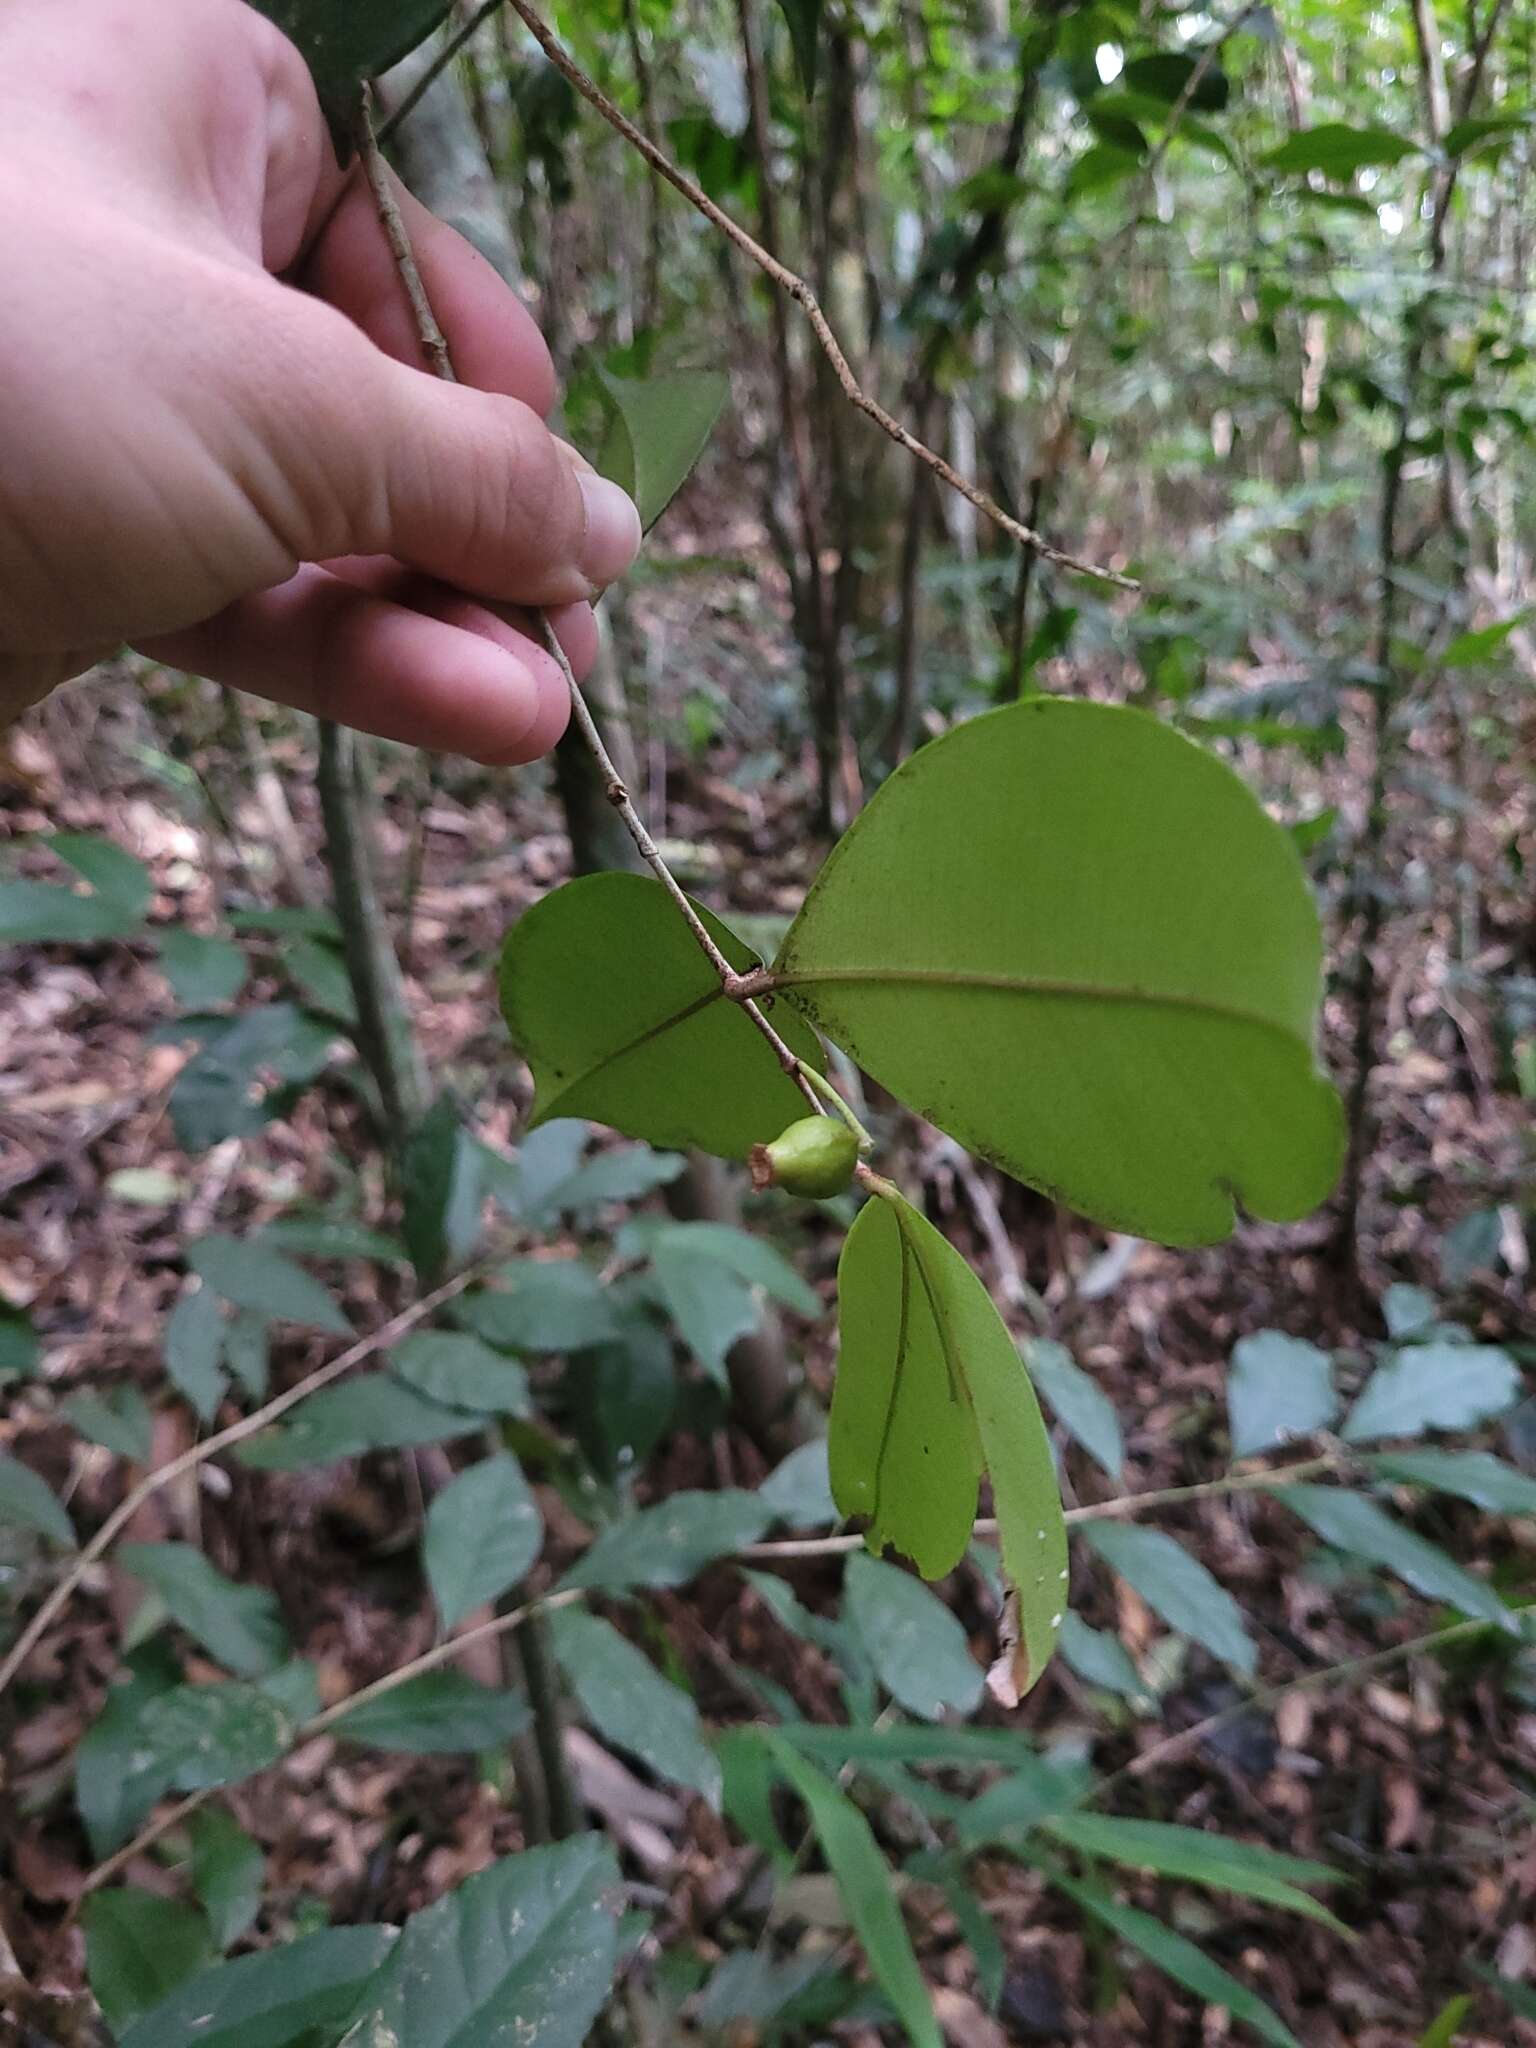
(1179, 1959)
(630, 1704)
(1100, 1658)
(483, 1532)
(332, 1237)
(460, 1372)
(1081, 1406)
(1175, 1585)
(1407, 1310)
(245, 1351)
(441, 1713)
(1442, 2032)
(373, 1412)
(707, 1274)
(1165, 75)
(1278, 1388)
(213, 1096)
(344, 43)
(1470, 1475)
(1338, 151)
(523, 1953)
(1433, 1386)
(254, 1276)
(1009, 1811)
(1078, 985)
(277, 1999)
(117, 1418)
(864, 1885)
(194, 1347)
(1225, 1865)
(916, 1645)
(1520, 1998)
(227, 1871)
(204, 973)
(620, 1017)
(319, 973)
(1469, 650)
(117, 1780)
(20, 1351)
(27, 1502)
(658, 427)
(442, 1191)
(212, 1735)
(930, 1387)
(670, 1544)
(550, 1305)
(804, 18)
(799, 1491)
(44, 913)
(1354, 1524)
(241, 1627)
(137, 1948)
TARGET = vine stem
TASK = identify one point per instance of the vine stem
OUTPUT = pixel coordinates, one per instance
(737, 988)
(788, 281)
(210, 1447)
(1120, 1508)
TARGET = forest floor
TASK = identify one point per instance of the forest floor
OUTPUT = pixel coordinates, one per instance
(1417, 1786)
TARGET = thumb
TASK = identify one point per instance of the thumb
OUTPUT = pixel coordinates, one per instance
(469, 486)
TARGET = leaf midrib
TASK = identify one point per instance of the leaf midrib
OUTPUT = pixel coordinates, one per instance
(1045, 987)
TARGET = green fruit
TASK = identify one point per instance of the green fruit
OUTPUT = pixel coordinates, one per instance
(814, 1157)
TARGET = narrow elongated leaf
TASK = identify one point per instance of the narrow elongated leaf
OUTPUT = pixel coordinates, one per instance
(620, 1017)
(1246, 1868)
(20, 1351)
(240, 1626)
(916, 1645)
(1077, 984)
(1352, 1523)
(194, 1346)
(1433, 1386)
(1179, 1959)
(523, 1953)
(865, 1887)
(1470, 1475)
(27, 1502)
(483, 1532)
(137, 1948)
(1520, 1998)
(658, 428)
(441, 1713)
(930, 1386)
(253, 1276)
(1100, 1658)
(442, 1191)
(1175, 1585)
(630, 1704)
(1278, 1388)
(270, 2000)
(1081, 1406)
(672, 1543)
(227, 1869)
(1445, 2030)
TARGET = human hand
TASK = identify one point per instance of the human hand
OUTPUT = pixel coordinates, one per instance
(219, 440)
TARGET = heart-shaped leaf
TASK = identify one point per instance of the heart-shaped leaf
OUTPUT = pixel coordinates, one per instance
(1073, 939)
(618, 1013)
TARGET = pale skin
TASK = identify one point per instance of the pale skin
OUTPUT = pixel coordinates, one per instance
(219, 440)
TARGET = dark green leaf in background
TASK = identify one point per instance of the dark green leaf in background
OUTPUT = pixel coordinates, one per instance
(669, 1544)
(1433, 1386)
(1338, 151)
(546, 1305)
(1176, 1586)
(241, 1627)
(211, 1735)
(227, 1870)
(460, 1372)
(117, 1418)
(204, 973)
(915, 1644)
(442, 1191)
(27, 1502)
(373, 1412)
(272, 2000)
(345, 42)
(194, 1348)
(20, 1350)
(1278, 1388)
(139, 1947)
(1081, 1406)
(254, 1276)
(483, 1532)
(630, 1704)
(441, 1713)
(1354, 1524)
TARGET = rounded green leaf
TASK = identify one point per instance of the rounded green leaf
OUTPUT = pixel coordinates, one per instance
(612, 1003)
(1074, 940)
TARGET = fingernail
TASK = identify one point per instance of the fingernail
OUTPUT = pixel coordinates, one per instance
(612, 539)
